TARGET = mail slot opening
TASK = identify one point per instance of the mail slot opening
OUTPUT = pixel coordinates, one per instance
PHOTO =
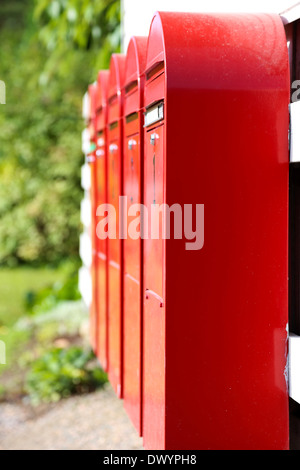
(113, 125)
(131, 86)
(112, 99)
(156, 70)
(132, 117)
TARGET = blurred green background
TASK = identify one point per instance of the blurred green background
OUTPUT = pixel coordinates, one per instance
(50, 50)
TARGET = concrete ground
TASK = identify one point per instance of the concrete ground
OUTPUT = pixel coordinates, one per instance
(96, 421)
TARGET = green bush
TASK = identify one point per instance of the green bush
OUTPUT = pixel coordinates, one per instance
(50, 51)
(48, 297)
(60, 373)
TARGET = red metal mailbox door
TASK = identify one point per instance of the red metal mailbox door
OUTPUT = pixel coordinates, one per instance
(115, 242)
(115, 264)
(215, 320)
(132, 285)
(101, 180)
(154, 198)
(102, 254)
(133, 190)
(154, 311)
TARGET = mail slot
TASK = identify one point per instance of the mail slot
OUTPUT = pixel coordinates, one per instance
(115, 244)
(216, 297)
(101, 193)
(91, 158)
(133, 190)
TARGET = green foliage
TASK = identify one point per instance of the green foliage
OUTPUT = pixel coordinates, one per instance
(87, 27)
(47, 298)
(15, 342)
(27, 337)
(50, 52)
(40, 161)
(79, 23)
(14, 285)
(64, 321)
(60, 373)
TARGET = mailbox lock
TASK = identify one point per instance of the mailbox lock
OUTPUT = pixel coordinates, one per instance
(131, 144)
(153, 138)
(113, 148)
(100, 153)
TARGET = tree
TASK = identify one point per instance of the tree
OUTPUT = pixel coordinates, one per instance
(47, 63)
(80, 24)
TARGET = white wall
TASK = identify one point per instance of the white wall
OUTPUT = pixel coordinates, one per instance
(85, 247)
(137, 14)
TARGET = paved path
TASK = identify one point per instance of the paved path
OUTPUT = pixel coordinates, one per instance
(90, 422)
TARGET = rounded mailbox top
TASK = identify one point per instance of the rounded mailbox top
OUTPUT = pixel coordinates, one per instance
(102, 82)
(217, 50)
(116, 75)
(135, 59)
(155, 46)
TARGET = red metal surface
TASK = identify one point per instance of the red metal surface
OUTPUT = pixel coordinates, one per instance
(91, 157)
(215, 319)
(101, 247)
(133, 190)
(115, 246)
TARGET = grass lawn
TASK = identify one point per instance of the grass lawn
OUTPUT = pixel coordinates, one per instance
(15, 283)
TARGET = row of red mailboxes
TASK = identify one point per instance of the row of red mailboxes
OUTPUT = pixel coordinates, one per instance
(194, 340)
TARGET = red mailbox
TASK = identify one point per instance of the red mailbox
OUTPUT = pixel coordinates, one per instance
(133, 190)
(101, 247)
(215, 314)
(115, 244)
(91, 158)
